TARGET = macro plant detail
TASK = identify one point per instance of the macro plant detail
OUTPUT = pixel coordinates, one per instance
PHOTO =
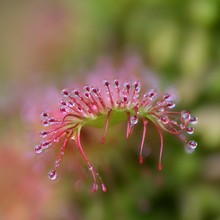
(110, 104)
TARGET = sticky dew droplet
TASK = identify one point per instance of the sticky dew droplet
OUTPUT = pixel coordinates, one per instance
(104, 189)
(38, 149)
(171, 104)
(193, 120)
(164, 119)
(44, 115)
(116, 83)
(87, 88)
(65, 92)
(71, 104)
(151, 94)
(95, 187)
(56, 140)
(45, 123)
(52, 175)
(51, 121)
(137, 86)
(43, 134)
(105, 83)
(63, 110)
(87, 95)
(134, 120)
(166, 96)
(63, 103)
(185, 116)
(191, 146)
(45, 144)
(190, 130)
(124, 99)
(75, 92)
(127, 85)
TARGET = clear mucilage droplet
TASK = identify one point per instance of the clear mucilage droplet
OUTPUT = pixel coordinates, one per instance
(56, 140)
(151, 94)
(38, 149)
(134, 120)
(45, 123)
(166, 96)
(191, 146)
(45, 144)
(127, 85)
(51, 121)
(95, 187)
(185, 116)
(75, 92)
(71, 104)
(104, 189)
(171, 104)
(52, 175)
(116, 83)
(43, 134)
(65, 92)
(124, 99)
(137, 87)
(193, 120)
(190, 130)
(105, 83)
(44, 115)
(164, 119)
(64, 110)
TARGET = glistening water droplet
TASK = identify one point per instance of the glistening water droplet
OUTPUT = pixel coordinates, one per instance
(65, 92)
(116, 83)
(152, 94)
(134, 120)
(192, 144)
(193, 120)
(44, 115)
(38, 149)
(164, 119)
(45, 123)
(171, 104)
(52, 175)
(166, 96)
(190, 130)
(137, 87)
(104, 189)
(95, 187)
(45, 144)
(43, 134)
(185, 116)
(105, 83)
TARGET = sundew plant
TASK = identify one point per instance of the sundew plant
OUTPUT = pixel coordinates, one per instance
(107, 104)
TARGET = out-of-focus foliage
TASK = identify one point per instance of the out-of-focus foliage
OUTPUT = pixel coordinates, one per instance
(47, 45)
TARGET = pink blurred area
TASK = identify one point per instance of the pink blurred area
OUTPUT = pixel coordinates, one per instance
(35, 38)
(32, 35)
(23, 193)
(47, 45)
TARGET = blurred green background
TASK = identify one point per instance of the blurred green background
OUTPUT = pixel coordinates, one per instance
(47, 45)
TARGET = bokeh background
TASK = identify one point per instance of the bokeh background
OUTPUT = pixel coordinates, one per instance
(47, 45)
